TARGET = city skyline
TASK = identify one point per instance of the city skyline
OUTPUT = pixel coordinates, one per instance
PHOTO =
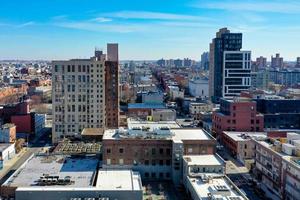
(145, 31)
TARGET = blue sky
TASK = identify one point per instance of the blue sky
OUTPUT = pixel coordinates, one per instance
(145, 29)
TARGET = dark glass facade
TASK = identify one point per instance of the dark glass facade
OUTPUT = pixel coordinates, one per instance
(226, 42)
(280, 114)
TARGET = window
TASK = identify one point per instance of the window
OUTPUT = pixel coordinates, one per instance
(108, 150)
(161, 162)
(146, 175)
(161, 175)
(168, 151)
(108, 161)
(161, 151)
(121, 161)
(153, 175)
(153, 151)
(153, 162)
(168, 162)
(121, 150)
(146, 162)
(56, 68)
(168, 175)
(190, 150)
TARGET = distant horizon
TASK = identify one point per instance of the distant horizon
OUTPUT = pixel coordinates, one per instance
(60, 30)
(125, 60)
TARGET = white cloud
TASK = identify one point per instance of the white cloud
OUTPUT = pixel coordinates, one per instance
(96, 27)
(30, 23)
(101, 19)
(151, 15)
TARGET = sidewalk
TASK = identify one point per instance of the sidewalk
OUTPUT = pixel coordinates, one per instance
(8, 165)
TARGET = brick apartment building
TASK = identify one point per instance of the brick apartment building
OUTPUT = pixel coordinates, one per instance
(278, 166)
(156, 152)
(112, 97)
(238, 114)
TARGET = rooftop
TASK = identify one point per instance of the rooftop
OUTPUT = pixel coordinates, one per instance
(8, 125)
(132, 123)
(55, 171)
(244, 136)
(118, 180)
(176, 134)
(92, 131)
(204, 160)
(4, 146)
(146, 105)
(219, 187)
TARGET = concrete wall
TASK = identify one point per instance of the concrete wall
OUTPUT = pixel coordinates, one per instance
(67, 194)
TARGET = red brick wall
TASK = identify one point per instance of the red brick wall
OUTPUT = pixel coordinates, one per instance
(112, 94)
(23, 123)
(243, 117)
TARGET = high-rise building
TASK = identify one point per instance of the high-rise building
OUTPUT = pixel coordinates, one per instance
(261, 63)
(178, 63)
(112, 86)
(236, 72)
(224, 41)
(298, 62)
(205, 61)
(277, 61)
(187, 62)
(81, 89)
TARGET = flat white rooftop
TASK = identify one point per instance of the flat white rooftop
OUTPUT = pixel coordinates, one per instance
(80, 170)
(220, 187)
(132, 123)
(204, 160)
(177, 134)
(243, 136)
(190, 134)
(118, 180)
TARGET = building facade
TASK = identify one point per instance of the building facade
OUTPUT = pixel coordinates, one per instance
(239, 114)
(280, 113)
(112, 97)
(198, 87)
(8, 133)
(277, 61)
(224, 41)
(155, 152)
(236, 73)
(78, 95)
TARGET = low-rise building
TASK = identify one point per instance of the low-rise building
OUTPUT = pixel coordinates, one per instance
(198, 87)
(163, 115)
(238, 114)
(7, 151)
(65, 177)
(175, 92)
(143, 110)
(204, 178)
(8, 133)
(155, 150)
(241, 145)
(277, 166)
(196, 108)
